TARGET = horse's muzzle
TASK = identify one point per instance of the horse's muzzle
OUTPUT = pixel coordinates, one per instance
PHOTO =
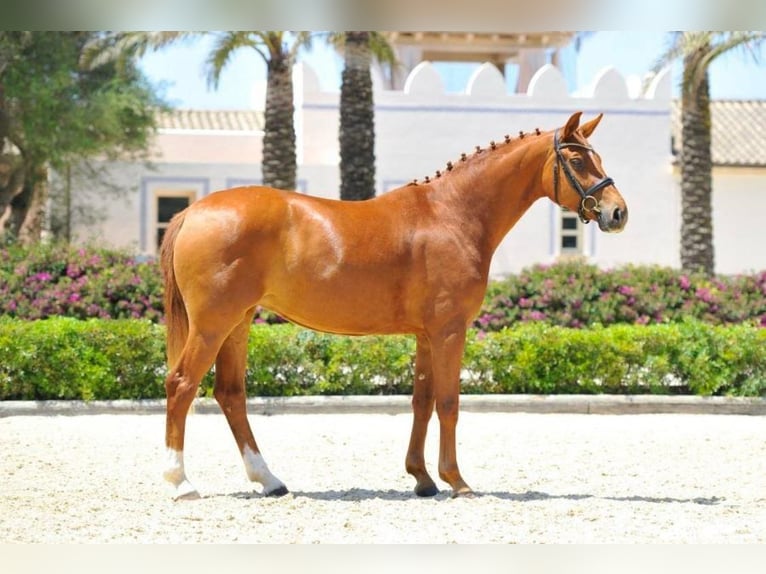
(612, 218)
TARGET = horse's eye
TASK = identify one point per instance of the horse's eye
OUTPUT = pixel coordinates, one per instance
(577, 163)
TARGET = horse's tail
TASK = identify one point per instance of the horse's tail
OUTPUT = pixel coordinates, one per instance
(176, 319)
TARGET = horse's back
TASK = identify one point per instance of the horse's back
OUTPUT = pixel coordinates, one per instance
(327, 264)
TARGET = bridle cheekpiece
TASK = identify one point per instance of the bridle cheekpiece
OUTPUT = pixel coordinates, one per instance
(588, 202)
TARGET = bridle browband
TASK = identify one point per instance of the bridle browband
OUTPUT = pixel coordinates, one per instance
(588, 202)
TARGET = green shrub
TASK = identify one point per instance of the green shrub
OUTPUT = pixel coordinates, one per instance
(67, 358)
(284, 360)
(64, 358)
(688, 357)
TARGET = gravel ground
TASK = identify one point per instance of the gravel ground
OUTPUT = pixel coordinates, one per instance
(539, 478)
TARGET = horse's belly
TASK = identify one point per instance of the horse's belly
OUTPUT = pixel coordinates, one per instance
(341, 310)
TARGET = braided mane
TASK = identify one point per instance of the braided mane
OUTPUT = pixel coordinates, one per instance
(478, 151)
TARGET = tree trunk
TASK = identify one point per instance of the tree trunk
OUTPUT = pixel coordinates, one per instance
(11, 184)
(68, 204)
(357, 121)
(28, 208)
(279, 163)
(697, 251)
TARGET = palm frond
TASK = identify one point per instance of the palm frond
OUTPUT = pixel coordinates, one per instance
(300, 40)
(224, 46)
(335, 39)
(700, 49)
(381, 49)
(674, 49)
(726, 42)
(272, 41)
(121, 46)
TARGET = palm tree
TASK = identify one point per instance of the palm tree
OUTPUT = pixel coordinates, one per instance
(698, 50)
(278, 50)
(357, 111)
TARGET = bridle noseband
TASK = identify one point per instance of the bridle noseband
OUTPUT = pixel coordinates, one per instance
(588, 202)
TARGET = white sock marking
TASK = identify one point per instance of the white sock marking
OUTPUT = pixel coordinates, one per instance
(258, 471)
(175, 475)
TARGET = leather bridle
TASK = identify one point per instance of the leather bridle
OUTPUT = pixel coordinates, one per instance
(588, 203)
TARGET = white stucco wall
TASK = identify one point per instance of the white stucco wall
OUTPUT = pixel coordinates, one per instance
(739, 201)
(209, 146)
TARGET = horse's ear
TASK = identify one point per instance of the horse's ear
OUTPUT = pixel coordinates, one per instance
(572, 124)
(587, 128)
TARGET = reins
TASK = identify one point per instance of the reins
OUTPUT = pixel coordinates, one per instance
(588, 203)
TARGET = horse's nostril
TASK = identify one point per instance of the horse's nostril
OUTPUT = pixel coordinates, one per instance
(617, 215)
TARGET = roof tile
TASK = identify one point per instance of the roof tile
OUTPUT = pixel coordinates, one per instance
(211, 120)
(739, 132)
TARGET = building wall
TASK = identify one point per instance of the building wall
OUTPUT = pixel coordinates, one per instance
(420, 128)
(739, 200)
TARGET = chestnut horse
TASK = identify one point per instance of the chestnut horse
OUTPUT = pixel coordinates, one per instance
(414, 260)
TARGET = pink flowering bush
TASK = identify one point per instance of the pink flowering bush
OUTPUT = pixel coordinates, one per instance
(58, 280)
(576, 294)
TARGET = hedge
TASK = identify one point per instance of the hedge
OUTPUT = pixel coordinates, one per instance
(65, 358)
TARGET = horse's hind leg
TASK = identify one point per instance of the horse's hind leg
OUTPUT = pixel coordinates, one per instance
(230, 367)
(181, 387)
(422, 409)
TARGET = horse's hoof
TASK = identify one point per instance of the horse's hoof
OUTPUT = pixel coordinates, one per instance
(186, 491)
(464, 493)
(277, 492)
(427, 490)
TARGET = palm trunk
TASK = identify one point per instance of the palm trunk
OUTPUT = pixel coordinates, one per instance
(279, 162)
(357, 121)
(697, 251)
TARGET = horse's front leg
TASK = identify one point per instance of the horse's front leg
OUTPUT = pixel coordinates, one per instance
(422, 409)
(447, 354)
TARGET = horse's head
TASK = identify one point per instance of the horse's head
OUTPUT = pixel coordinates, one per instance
(577, 179)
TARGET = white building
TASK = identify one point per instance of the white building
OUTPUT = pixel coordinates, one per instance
(421, 127)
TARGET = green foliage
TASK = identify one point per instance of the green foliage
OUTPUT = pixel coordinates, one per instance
(64, 111)
(70, 359)
(687, 357)
(64, 358)
(57, 114)
(284, 360)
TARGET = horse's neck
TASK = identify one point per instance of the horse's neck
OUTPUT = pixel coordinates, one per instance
(496, 193)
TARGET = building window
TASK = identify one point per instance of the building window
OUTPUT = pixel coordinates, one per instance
(167, 204)
(571, 234)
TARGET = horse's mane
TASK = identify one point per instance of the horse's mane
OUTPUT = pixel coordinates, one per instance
(506, 145)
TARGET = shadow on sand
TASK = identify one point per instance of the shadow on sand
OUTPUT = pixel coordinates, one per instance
(359, 494)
